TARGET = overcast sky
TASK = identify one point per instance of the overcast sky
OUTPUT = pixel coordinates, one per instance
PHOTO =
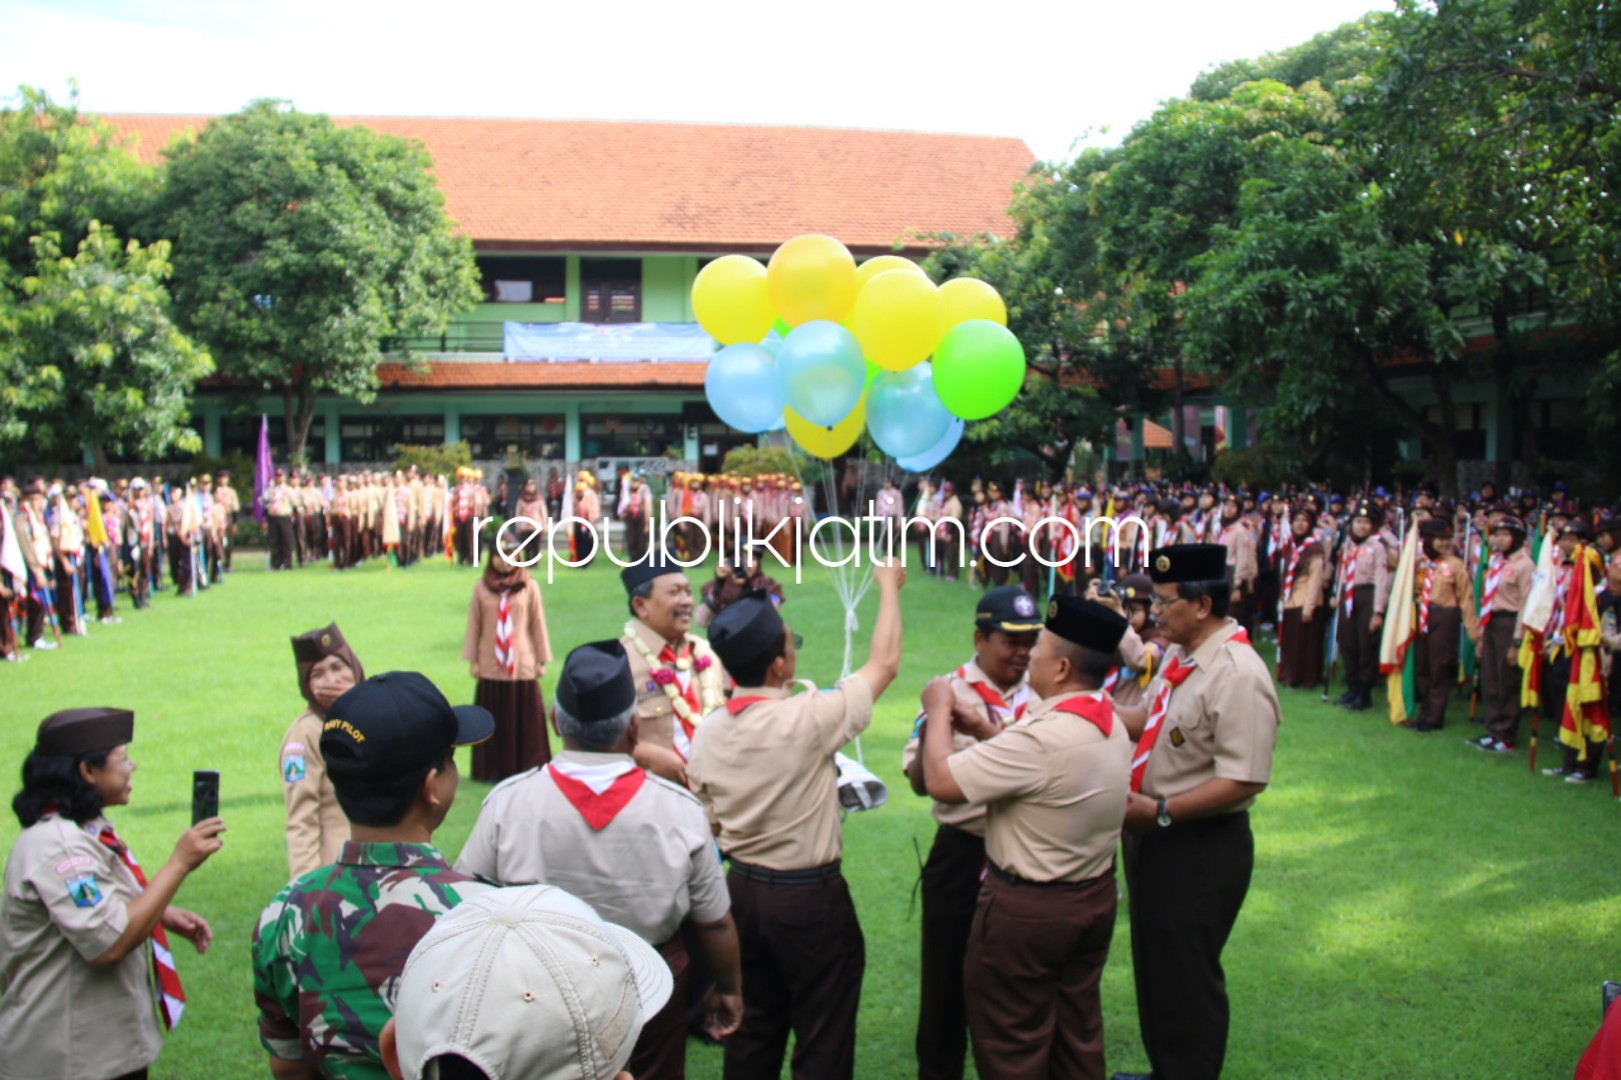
(1047, 71)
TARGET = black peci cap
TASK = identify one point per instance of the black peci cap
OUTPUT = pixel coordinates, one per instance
(72, 732)
(655, 565)
(1007, 608)
(393, 726)
(745, 629)
(1187, 562)
(1086, 623)
(596, 683)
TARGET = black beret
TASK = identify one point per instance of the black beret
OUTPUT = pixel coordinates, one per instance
(72, 732)
(1138, 587)
(1365, 508)
(655, 565)
(745, 629)
(596, 683)
(1187, 562)
(1086, 623)
(316, 645)
(1510, 523)
(1579, 528)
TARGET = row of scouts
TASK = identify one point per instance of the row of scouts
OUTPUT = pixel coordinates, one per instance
(401, 516)
(1037, 771)
(68, 550)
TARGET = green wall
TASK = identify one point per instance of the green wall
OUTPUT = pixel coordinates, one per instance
(666, 297)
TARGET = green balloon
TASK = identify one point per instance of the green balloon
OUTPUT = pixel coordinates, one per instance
(781, 327)
(978, 369)
(873, 371)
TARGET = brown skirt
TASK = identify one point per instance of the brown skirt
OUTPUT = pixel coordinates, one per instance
(1302, 663)
(519, 742)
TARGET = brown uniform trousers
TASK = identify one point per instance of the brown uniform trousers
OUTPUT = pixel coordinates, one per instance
(803, 959)
(1359, 647)
(1500, 678)
(661, 1048)
(1009, 971)
(1436, 666)
(1301, 664)
(950, 890)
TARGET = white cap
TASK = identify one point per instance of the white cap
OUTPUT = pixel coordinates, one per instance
(527, 982)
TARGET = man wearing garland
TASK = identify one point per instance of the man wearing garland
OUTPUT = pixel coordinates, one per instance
(678, 679)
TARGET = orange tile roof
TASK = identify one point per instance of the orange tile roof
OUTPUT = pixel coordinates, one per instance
(496, 375)
(579, 185)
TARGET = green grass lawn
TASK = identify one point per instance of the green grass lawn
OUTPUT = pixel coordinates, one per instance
(1418, 909)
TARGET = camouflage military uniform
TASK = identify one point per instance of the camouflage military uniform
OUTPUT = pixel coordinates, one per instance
(330, 946)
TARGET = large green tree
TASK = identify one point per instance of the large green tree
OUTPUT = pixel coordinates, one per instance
(89, 359)
(301, 246)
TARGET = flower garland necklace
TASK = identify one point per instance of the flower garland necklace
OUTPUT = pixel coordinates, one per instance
(670, 682)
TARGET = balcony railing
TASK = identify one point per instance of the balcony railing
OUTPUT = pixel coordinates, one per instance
(462, 336)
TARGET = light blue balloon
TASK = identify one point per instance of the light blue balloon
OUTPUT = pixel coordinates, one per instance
(741, 385)
(904, 414)
(820, 371)
(937, 453)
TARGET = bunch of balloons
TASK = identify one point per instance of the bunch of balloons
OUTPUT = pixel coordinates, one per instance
(813, 342)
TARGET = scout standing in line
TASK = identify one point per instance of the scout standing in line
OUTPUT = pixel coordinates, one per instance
(507, 650)
(1446, 601)
(764, 769)
(1508, 582)
(1204, 752)
(992, 683)
(316, 828)
(1054, 784)
(636, 848)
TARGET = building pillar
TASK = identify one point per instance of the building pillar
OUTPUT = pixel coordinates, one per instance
(1137, 452)
(571, 289)
(571, 419)
(211, 430)
(333, 453)
(1238, 433)
(453, 423)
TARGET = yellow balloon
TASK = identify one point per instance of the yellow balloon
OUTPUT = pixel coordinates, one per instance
(969, 298)
(731, 300)
(878, 264)
(898, 319)
(812, 277)
(822, 442)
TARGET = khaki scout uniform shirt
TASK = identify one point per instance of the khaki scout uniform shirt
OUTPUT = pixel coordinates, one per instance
(530, 644)
(1513, 585)
(1371, 567)
(63, 906)
(1055, 789)
(655, 713)
(1242, 561)
(766, 776)
(647, 869)
(1450, 587)
(969, 817)
(1222, 721)
(316, 827)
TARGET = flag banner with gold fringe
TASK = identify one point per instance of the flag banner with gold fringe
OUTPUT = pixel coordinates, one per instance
(1586, 717)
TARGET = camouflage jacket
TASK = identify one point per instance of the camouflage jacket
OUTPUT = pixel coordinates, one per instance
(329, 948)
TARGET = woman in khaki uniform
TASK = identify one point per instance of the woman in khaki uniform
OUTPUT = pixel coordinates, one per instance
(81, 992)
(316, 827)
(507, 651)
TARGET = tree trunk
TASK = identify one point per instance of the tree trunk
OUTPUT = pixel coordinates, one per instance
(1443, 454)
(306, 414)
(99, 454)
(295, 437)
(1178, 436)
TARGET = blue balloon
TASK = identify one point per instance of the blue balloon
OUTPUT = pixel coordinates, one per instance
(820, 371)
(904, 414)
(937, 453)
(741, 385)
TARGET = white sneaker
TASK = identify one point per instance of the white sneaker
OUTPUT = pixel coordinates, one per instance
(1577, 778)
(41, 643)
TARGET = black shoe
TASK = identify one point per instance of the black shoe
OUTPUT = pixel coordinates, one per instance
(1347, 697)
(1426, 728)
(1132, 1076)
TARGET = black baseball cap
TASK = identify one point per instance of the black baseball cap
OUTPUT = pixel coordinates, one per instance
(395, 726)
(1007, 608)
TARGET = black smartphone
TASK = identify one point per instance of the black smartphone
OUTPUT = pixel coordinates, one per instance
(205, 795)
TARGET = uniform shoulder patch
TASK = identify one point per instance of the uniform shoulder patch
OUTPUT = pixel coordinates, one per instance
(85, 891)
(293, 768)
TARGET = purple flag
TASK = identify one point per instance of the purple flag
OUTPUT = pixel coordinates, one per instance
(263, 473)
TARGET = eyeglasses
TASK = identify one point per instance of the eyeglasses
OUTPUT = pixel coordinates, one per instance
(1160, 601)
(797, 639)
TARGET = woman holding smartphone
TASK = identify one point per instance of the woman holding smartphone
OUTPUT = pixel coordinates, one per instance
(85, 967)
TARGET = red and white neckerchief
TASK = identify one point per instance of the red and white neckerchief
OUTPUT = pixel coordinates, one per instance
(1348, 578)
(171, 998)
(505, 655)
(1111, 680)
(1556, 622)
(597, 791)
(1494, 574)
(1096, 710)
(684, 729)
(1424, 598)
(1003, 710)
(464, 502)
(1174, 675)
(1295, 552)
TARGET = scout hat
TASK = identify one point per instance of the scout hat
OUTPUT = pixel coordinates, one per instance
(1135, 588)
(527, 982)
(1007, 608)
(1187, 562)
(1434, 528)
(1086, 623)
(393, 727)
(72, 732)
(1510, 523)
(1364, 508)
(655, 565)
(1579, 528)
(313, 646)
(745, 629)
(596, 682)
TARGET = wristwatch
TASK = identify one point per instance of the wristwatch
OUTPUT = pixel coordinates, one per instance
(1163, 817)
